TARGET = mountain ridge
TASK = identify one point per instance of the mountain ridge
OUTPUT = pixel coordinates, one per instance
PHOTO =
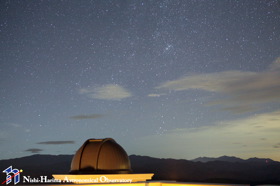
(250, 171)
(231, 159)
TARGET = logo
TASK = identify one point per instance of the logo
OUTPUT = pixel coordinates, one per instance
(12, 174)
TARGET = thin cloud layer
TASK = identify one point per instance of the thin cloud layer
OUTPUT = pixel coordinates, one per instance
(243, 87)
(34, 150)
(89, 116)
(259, 134)
(214, 82)
(107, 92)
(155, 95)
(56, 142)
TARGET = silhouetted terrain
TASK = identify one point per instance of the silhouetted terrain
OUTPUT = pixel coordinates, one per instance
(37, 165)
(217, 170)
(222, 158)
(254, 171)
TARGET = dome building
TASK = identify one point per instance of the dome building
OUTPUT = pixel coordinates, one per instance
(100, 156)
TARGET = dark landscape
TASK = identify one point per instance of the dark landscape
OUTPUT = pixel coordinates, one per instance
(224, 169)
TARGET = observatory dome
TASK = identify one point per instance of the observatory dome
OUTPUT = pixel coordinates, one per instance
(100, 156)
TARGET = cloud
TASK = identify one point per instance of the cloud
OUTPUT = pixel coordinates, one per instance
(34, 150)
(15, 125)
(56, 142)
(214, 82)
(11, 125)
(107, 92)
(275, 66)
(240, 108)
(242, 138)
(89, 116)
(243, 87)
(277, 146)
(156, 95)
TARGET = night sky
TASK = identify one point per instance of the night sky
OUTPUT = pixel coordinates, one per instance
(166, 78)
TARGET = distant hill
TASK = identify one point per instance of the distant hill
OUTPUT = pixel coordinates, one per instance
(215, 170)
(232, 159)
(222, 158)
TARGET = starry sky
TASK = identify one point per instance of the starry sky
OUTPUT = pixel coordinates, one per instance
(166, 78)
